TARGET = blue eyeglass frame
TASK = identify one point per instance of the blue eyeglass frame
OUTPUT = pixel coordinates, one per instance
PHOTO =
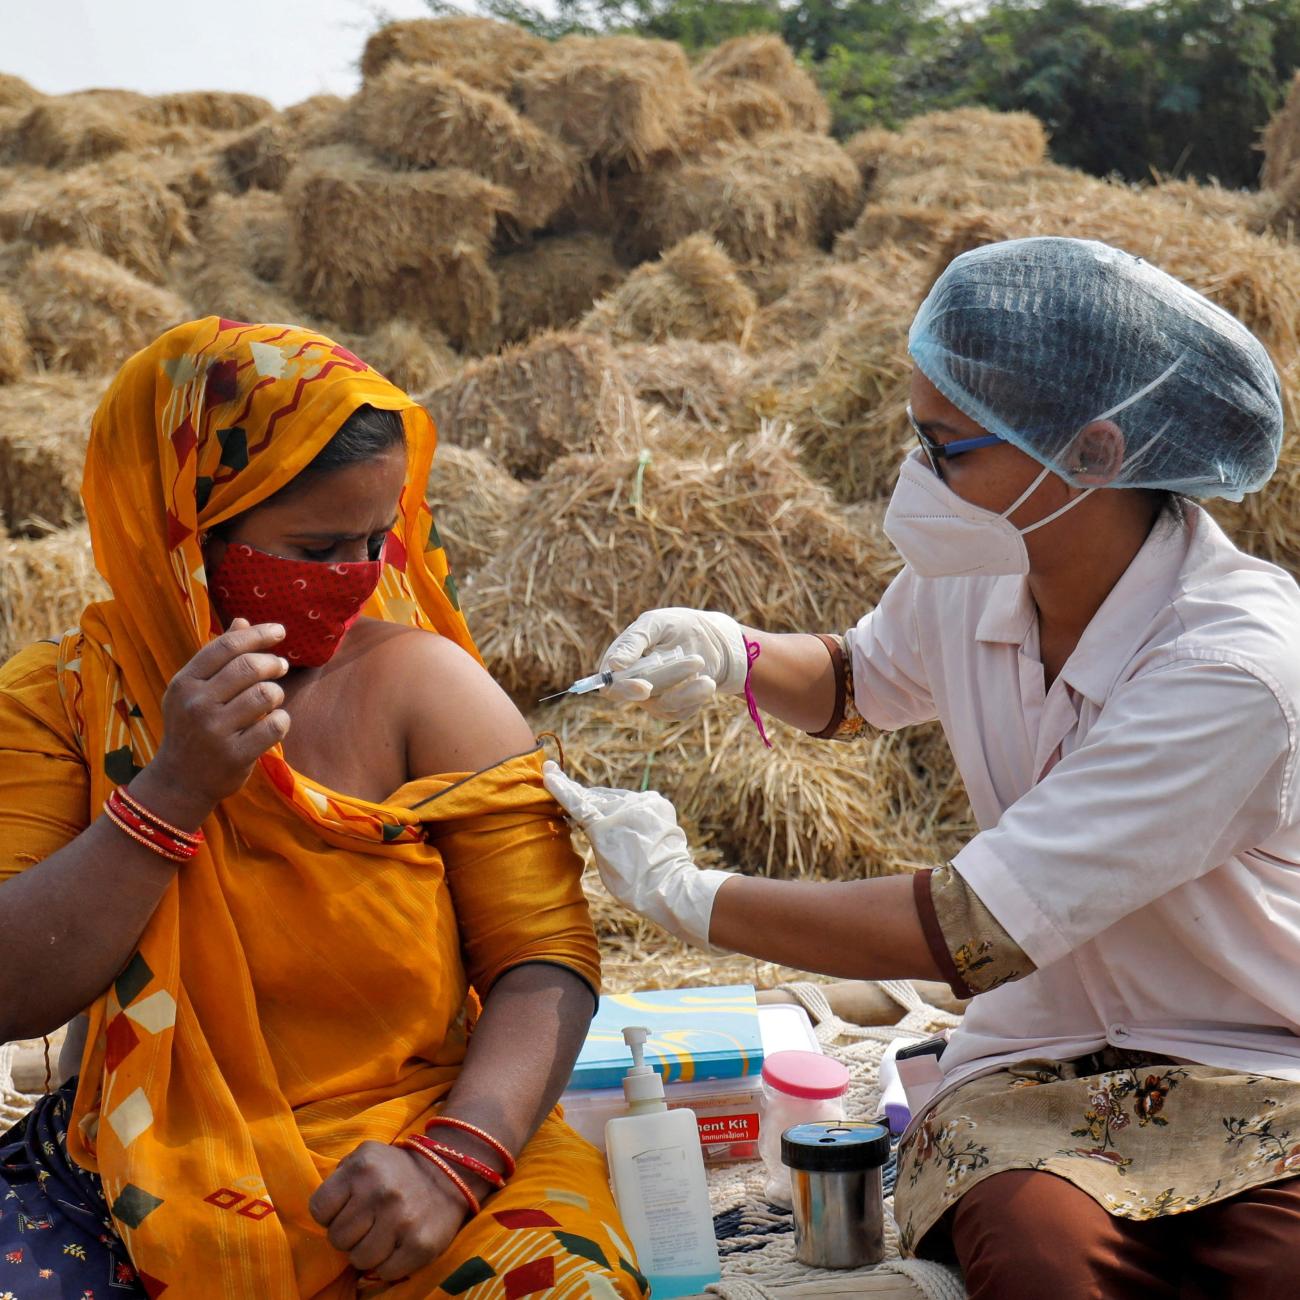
(937, 451)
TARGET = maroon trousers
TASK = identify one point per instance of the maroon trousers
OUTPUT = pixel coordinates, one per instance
(1025, 1235)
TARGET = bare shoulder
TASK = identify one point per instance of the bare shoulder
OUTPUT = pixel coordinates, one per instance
(456, 718)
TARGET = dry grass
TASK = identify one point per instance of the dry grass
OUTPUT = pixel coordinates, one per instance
(418, 116)
(603, 537)
(213, 110)
(15, 352)
(44, 426)
(488, 54)
(559, 394)
(260, 158)
(701, 384)
(553, 282)
(767, 61)
(15, 93)
(975, 140)
(239, 265)
(891, 275)
(366, 250)
(115, 207)
(412, 358)
(730, 111)
(765, 200)
(693, 292)
(474, 503)
(45, 585)
(615, 99)
(70, 130)
(1280, 208)
(920, 227)
(87, 313)
(1281, 141)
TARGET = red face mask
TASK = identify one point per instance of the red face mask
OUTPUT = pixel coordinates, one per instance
(315, 602)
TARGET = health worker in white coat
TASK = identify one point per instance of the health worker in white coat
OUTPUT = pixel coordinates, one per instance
(1120, 685)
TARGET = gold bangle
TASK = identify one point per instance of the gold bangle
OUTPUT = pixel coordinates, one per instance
(140, 839)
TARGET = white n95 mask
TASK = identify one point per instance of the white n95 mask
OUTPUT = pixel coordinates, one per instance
(943, 536)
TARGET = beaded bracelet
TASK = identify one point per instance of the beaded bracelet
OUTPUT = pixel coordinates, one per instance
(145, 830)
(460, 1184)
(450, 1121)
(461, 1158)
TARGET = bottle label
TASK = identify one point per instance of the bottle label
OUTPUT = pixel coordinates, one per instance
(676, 1235)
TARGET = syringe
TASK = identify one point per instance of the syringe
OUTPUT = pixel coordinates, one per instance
(674, 665)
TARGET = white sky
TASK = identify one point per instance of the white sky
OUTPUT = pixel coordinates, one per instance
(284, 50)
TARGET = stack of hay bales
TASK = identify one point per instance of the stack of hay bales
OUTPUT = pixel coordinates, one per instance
(602, 537)
(693, 292)
(15, 350)
(562, 393)
(1281, 173)
(44, 586)
(550, 284)
(488, 54)
(474, 503)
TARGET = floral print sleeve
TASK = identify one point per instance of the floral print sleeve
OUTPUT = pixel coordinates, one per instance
(972, 950)
(846, 722)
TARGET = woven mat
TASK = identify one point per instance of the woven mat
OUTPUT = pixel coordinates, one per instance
(756, 1241)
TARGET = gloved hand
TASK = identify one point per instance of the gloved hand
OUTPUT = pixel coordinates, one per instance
(642, 854)
(715, 638)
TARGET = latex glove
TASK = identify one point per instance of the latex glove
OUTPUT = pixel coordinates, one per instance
(642, 854)
(715, 638)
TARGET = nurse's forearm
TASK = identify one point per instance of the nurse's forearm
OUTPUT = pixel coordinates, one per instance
(856, 929)
(793, 678)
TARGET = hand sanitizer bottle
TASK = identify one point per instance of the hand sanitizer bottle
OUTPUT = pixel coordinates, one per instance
(657, 1171)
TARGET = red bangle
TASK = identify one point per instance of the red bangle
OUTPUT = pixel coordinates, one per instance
(142, 836)
(142, 827)
(126, 797)
(461, 1185)
(450, 1121)
(461, 1158)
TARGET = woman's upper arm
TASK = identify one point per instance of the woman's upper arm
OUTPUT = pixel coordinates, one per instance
(458, 718)
(44, 786)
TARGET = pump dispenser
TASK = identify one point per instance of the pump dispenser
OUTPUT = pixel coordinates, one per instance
(657, 1172)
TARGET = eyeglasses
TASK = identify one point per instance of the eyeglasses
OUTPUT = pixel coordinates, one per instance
(937, 451)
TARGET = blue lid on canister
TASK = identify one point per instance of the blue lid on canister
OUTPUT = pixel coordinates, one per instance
(835, 1146)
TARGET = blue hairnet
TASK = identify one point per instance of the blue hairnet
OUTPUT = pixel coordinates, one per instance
(1035, 339)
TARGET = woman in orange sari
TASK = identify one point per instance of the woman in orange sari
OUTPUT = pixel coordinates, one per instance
(268, 821)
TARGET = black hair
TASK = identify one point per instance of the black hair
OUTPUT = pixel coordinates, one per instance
(366, 433)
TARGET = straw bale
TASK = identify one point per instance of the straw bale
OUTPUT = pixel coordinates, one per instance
(261, 157)
(70, 130)
(366, 250)
(15, 352)
(913, 224)
(1281, 140)
(764, 200)
(731, 110)
(553, 282)
(1211, 200)
(44, 425)
(416, 116)
(773, 280)
(844, 398)
(317, 121)
(528, 406)
(1280, 208)
(615, 99)
(114, 207)
(486, 53)
(768, 60)
(414, 359)
(241, 257)
(16, 93)
(474, 503)
(214, 110)
(602, 537)
(978, 140)
(45, 585)
(692, 292)
(701, 383)
(87, 313)
(830, 294)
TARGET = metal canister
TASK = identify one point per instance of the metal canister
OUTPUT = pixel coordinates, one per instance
(835, 1181)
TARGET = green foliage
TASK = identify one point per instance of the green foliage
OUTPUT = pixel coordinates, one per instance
(1180, 87)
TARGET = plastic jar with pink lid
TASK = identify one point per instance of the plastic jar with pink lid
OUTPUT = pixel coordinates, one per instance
(798, 1088)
